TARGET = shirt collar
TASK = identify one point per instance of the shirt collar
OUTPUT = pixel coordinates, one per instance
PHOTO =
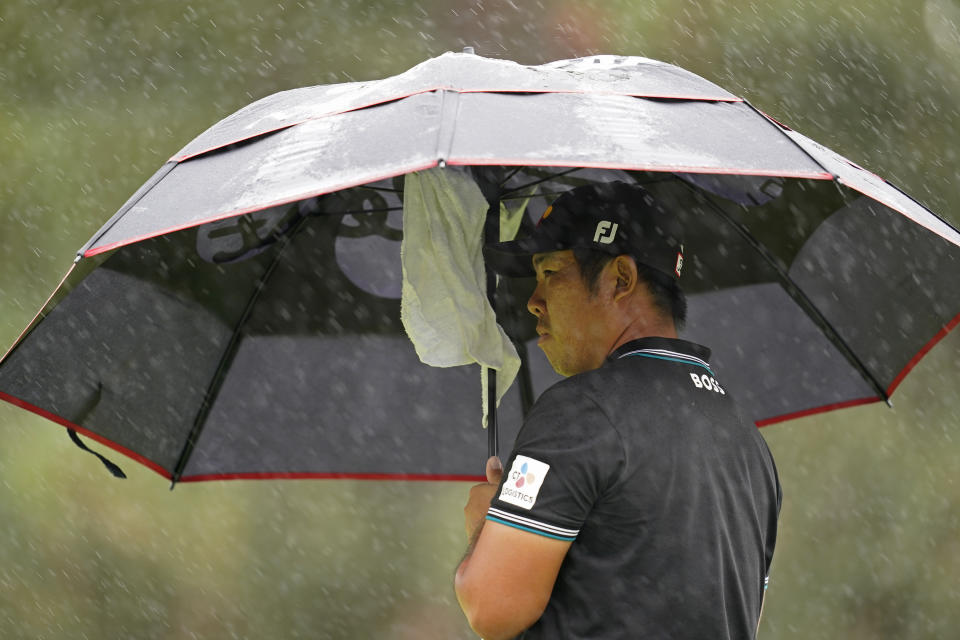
(674, 345)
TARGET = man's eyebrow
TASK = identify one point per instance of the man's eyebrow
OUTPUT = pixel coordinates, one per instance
(537, 259)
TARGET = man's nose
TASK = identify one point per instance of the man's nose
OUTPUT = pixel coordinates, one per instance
(535, 304)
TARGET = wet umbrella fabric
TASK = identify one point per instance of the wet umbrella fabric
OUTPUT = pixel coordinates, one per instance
(239, 316)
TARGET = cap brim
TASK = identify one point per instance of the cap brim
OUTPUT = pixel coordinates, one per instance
(511, 259)
(514, 259)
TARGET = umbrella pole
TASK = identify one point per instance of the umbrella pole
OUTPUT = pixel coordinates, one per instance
(226, 358)
(493, 444)
(526, 384)
(491, 233)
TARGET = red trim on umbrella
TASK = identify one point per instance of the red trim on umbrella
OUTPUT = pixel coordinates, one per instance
(902, 212)
(366, 105)
(815, 410)
(239, 212)
(437, 477)
(460, 161)
(43, 413)
(266, 475)
(774, 120)
(37, 315)
(279, 127)
(811, 175)
(947, 328)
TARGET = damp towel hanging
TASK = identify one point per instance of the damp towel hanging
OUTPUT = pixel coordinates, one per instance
(444, 307)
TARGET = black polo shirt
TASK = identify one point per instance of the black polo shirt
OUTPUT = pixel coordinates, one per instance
(670, 498)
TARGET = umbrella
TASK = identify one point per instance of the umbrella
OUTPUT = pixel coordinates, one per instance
(239, 317)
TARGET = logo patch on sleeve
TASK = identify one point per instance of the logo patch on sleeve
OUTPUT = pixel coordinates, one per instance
(524, 482)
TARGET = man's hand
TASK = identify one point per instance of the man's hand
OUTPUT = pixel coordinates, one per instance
(505, 580)
(480, 497)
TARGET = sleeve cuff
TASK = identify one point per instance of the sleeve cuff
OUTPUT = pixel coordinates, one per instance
(531, 525)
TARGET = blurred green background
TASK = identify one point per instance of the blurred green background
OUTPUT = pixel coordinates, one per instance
(96, 95)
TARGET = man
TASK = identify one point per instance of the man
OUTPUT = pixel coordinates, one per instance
(637, 503)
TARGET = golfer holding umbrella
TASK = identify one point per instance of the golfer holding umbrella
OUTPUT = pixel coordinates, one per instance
(636, 502)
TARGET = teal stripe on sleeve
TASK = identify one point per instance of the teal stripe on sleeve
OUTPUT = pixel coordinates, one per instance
(531, 530)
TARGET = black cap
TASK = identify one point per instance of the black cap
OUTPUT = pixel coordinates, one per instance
(615, 217)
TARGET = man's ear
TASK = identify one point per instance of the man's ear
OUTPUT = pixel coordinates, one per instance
(625, 270)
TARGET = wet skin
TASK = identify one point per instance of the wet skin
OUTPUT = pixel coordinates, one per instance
(572, 322)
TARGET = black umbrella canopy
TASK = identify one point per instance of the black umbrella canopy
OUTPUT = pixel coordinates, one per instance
(240, 315)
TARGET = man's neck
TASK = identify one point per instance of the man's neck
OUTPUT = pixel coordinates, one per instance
(637, 330)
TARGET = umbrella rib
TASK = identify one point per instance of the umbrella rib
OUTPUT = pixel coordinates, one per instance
(798, 296)
(540, 181)
(225, 359)
(384, 189)
(523, 196)
(553, 176)
(449, 110)
(357, 212)
(779, 127)
(526, 196)
(129, 204)
(950, 225)
(503, 183)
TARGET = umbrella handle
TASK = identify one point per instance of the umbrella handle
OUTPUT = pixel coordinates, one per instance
(493, 444)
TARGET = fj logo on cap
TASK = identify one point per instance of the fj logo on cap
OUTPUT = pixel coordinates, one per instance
(679, 266)
(606, 232)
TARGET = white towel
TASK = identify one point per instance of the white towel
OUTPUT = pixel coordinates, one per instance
(443, 303)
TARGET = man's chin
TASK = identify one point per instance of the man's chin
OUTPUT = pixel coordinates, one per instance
(555, 364)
